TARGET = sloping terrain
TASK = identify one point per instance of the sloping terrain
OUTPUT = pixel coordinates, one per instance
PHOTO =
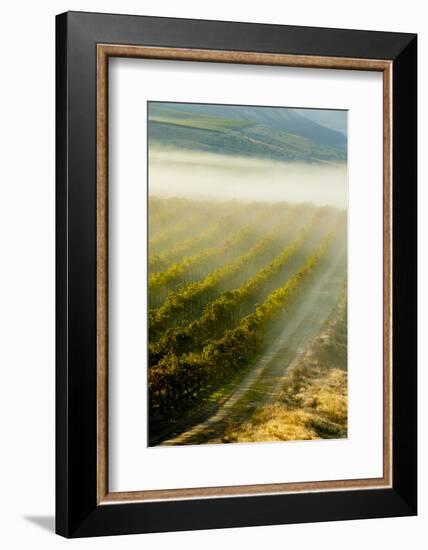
(226, 322)
(262, 384)
(265, 132)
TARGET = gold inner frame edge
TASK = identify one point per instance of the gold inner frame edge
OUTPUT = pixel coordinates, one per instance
(104, 52)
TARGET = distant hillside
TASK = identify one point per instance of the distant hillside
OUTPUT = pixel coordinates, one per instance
(335, 120)
(268, 132)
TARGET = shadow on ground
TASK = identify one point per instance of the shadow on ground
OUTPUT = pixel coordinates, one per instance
(45, 522)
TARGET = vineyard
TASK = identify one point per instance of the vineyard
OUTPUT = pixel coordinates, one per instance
(225, 281)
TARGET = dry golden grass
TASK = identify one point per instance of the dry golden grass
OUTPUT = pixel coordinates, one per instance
(313, 403)
(317, 411)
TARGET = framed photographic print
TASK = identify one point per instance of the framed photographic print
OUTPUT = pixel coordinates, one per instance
(236, 274)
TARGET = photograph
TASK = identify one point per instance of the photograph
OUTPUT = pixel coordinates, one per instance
(213, 261)
(247, 273)
(235, 274)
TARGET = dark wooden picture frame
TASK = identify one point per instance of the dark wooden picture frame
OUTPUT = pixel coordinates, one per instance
(84, 43)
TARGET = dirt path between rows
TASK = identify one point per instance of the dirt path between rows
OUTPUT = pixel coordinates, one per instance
(263, 381)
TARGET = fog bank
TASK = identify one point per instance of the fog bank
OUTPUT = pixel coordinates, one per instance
(204, 175)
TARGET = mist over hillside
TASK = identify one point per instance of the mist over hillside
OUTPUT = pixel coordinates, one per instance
(204, 175)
